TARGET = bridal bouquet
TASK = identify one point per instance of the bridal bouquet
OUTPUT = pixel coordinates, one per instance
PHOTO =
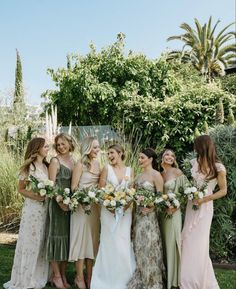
(145, 198)
(86, 197)
(113, 198)
(196, 192)
(43, 188)
(63, 196)
(168, 200)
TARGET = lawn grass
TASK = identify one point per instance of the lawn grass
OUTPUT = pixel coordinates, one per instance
(226, 278)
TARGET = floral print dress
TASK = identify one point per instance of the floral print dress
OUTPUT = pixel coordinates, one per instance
(150, 269)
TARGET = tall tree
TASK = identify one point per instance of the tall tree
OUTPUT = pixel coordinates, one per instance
(19, 107)
(18, 100)
(209, 53)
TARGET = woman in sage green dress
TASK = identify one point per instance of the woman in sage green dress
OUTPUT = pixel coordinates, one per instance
(60, 171)
(171, 220)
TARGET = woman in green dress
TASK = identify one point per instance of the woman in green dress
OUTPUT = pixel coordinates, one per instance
(171, 221)
(60, 171)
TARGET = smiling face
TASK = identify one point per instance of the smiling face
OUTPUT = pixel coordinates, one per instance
(43, 151)
(94, 150)
(114, 156)
(144, 161)
(62, 146)
(168, 158)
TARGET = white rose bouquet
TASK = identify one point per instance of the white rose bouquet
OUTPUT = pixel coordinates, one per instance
(63, 196)
(196, 192)
(43, 188)
(86, 197)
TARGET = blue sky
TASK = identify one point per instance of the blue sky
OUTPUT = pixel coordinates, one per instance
(45, 31)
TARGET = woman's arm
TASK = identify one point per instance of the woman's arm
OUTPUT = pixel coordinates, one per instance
(158, 182)
(103, 178)
(52, 170)
(76, 175)
(222, 183)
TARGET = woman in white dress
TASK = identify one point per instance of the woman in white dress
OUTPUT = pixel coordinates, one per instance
(115, 262)
(30, 268)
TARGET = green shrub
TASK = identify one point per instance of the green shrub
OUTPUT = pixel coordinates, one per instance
(10, 199)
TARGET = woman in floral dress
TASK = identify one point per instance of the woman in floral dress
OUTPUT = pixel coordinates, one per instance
(150, 269)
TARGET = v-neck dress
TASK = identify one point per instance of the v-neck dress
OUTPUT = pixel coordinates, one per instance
(115, 262)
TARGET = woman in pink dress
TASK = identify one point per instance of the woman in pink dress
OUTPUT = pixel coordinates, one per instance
(196, 266)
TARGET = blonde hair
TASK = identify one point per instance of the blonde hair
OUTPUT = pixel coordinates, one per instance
(31, 154)
(119, 149)
(66, 137)
(86, 147)
(175, 164)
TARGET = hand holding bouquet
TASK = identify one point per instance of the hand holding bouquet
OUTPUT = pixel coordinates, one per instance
(168, 201)
(196, 192)
(86, 197)
(42, 188)
(63, 198)
(113, 198)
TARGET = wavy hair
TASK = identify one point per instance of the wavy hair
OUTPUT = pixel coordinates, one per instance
(119, 149)
(175, 164)
(66, 137)
(31, 154)
(85, 149)
(206, 154)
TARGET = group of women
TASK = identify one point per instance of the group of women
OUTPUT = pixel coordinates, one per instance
(143, 249)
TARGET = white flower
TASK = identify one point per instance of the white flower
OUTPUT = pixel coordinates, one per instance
(49, 183)
(190, 197)
(168, 203)
(42, 192)
(113, 203)
(106, 203)
(200, 195)
(123, 202)
(193, 189)
(91, 194)
(176, 203)
(171, 195)
(67, 191)
(41, 185)
(187, 191)
(59, 198)
(159, 200)
(86, 200)
(66, 201)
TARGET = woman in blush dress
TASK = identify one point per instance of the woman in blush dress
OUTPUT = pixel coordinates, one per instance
(175, 182)
(115, 262)
(196, 266)
(84, 229)
(30, 268)
(60, 171)
(150, 271)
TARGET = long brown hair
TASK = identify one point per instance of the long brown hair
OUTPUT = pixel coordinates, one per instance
(31, 154)
(206, 155)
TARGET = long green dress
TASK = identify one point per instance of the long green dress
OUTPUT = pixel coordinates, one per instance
(171, 234)
(59, 222)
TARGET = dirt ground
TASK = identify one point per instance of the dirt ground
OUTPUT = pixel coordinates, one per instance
(8, 238)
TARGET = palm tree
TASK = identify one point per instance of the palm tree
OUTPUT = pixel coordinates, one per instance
(209, 53)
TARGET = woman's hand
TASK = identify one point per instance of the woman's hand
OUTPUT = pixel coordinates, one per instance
(171, 210)
(146, 211)
(198, 202)
(38, 198)
(64, 207)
